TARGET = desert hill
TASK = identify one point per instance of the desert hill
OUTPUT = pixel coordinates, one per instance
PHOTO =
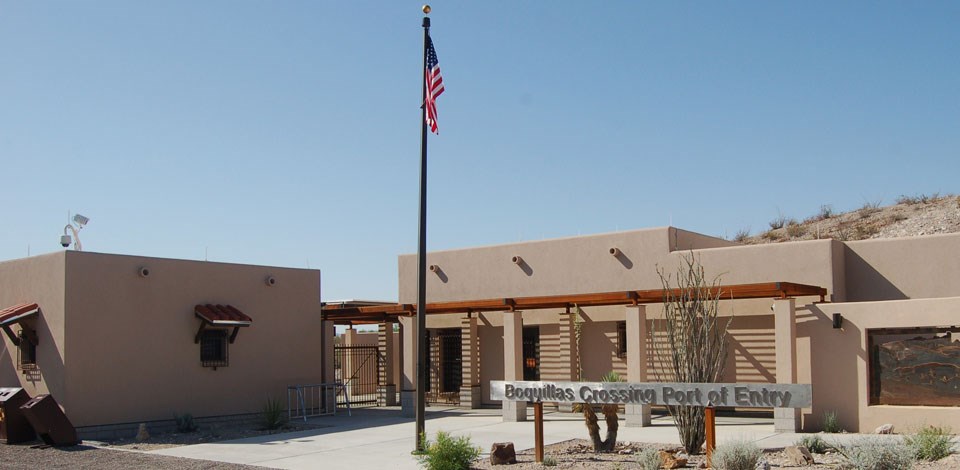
(909, 216)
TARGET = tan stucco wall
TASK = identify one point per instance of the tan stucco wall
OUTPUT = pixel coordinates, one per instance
(584, 265)
(38, 279)
(902, 268)
(840, 361)
(130, 345)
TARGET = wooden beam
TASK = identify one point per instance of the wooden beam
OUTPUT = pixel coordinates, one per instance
(378, 313)
(13, 337)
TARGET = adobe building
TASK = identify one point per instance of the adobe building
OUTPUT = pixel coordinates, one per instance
(872, 325)
(119, 340)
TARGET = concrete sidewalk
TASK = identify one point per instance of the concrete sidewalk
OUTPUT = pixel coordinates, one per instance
(380, 437)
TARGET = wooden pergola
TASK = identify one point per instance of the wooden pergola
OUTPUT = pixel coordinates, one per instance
(352, 314)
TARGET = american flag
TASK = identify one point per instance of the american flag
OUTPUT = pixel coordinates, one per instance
(434, 85)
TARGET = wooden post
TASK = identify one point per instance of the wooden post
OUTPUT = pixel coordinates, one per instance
(538, 430)
(710, 423)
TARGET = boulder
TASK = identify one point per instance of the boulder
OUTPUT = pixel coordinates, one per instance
(885, 429)
(670, 461)
(797, 456)
(503, 453)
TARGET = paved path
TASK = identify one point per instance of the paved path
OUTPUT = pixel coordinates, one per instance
(381, 438)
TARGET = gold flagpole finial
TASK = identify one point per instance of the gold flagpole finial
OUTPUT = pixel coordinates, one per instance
(426, 9)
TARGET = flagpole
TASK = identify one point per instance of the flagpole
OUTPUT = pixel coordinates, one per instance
(422, 252)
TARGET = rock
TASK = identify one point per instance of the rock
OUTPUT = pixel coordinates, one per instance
(142, 433)
(762, 465)
(797, 456)
(670, 461)
(503, 453)
(885, 429)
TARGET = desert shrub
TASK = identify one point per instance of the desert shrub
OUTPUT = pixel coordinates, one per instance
(896, 217)
(742, 235)
(876, 453)
(826, 211)
(930, 443)
(736, 455)
(448, 453)
(831, 423)
(773, 236)
(921, 199)
(185, 423)
(274, 414)
(549, 461)
(907, 200)
(795, 230)
(649, 459)
(778, 223)
(813, 443)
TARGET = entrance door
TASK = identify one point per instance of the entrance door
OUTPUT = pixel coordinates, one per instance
(531, 353)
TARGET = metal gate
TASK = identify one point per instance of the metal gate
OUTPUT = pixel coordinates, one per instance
(358, 369)
(444, 366)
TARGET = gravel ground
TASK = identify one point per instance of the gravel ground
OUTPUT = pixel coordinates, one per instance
(578, 454)
(87, 457)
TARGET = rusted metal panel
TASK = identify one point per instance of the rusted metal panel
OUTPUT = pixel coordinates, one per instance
(917, 371)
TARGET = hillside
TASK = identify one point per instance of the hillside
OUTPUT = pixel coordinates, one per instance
(909, 216)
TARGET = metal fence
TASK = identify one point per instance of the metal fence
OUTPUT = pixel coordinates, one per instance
(358, 369)
(304, 401)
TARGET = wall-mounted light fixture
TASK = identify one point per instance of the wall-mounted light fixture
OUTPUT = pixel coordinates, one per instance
(615, 251)
(837, 321)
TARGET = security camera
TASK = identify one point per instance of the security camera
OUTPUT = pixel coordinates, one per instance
(65, 241)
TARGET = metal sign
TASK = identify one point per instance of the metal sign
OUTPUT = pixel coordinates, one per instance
(755, 395)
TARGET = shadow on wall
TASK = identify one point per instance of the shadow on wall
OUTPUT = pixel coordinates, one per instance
(525, 267)
(743, 364)
(598, 349)
(864, 283)
(622, 258)
(834, 355)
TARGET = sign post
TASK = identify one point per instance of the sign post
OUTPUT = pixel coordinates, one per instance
(707, 395)
(710, 425)
(538, 430)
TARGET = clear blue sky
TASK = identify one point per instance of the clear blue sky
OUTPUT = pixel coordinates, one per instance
(287, 132)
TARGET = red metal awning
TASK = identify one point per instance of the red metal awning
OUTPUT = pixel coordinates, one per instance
(222, 315)
(17, 313)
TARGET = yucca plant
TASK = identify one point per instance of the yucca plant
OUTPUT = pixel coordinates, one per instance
(610, 416)
(274, 414)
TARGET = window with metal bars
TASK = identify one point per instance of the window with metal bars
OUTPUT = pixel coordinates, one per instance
(213, 348)
(621, 339)
(27, 351)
